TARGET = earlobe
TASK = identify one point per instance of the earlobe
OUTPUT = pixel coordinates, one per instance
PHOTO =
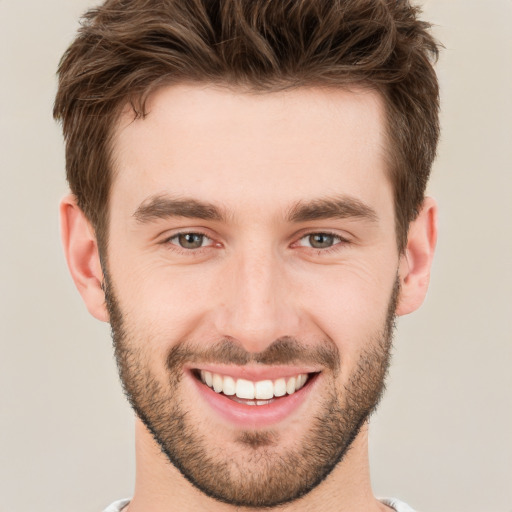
(81, 251)
(415, 263)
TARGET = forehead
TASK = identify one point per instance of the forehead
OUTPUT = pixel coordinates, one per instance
(246, 149)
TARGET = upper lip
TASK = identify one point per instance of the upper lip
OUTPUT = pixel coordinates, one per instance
(254, 373)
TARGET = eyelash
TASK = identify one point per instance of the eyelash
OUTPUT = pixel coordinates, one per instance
(338, 245)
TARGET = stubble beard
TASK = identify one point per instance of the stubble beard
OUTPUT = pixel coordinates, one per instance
(264, 476)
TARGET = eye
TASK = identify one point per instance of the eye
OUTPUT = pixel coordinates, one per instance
(190, 240)
(320, 240)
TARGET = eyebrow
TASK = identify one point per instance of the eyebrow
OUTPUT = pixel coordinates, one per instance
(342, 207)
(163, 207)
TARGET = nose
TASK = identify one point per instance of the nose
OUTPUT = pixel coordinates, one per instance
(256, 302)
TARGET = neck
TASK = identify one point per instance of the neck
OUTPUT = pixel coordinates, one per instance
(160, 487)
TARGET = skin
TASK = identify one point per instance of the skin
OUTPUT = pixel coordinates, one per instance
(256, 279)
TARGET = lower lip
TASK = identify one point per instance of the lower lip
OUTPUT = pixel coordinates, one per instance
(254, 416)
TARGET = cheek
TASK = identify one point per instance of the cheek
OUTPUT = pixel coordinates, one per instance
(350, 303)
(161, 302)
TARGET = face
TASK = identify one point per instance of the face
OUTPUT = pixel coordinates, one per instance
(251, 281)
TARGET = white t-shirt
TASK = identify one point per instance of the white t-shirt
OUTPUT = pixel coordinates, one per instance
(397, 505)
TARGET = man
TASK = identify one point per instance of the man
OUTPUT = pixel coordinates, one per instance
(247, 211)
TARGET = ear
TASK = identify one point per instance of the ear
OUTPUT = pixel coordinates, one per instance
(82, 255)
(415, 262)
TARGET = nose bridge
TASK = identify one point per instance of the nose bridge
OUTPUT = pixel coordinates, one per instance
(256, 306)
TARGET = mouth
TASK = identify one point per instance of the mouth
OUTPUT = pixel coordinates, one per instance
(250, 402)
(261, 392)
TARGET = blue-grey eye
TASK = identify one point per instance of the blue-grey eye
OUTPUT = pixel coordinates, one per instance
(319, 240)
(190, 240)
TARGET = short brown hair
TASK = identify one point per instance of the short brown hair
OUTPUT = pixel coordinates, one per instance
(125, 49)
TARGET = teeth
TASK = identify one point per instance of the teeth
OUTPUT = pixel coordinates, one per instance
(252, 402)
(229, 386)
(301, 380)
(280, 387)
(217, 383)
(290, 385)
(244, 389)
(260, 393)
(264, 389)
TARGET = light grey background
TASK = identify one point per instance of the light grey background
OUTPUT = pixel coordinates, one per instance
(442, 437)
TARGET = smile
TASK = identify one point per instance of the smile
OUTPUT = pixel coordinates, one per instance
(253, 393)
(254, 399)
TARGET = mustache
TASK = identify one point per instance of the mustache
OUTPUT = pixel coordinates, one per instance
(286, 350)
